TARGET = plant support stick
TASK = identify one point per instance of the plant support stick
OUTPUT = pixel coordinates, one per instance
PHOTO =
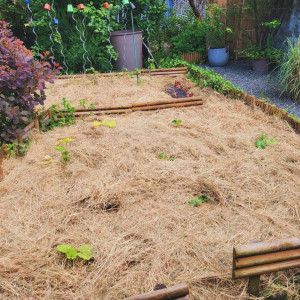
(136, 64)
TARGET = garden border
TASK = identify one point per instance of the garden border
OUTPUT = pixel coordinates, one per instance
(181, 102)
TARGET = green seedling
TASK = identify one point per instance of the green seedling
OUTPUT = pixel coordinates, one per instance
(198, 200)
(91, 106)
(64, 150)
(177, 123)
(110, 124)
(165, 157)
(82, 103)
(17, 149)
(263, 142)
(85, 252)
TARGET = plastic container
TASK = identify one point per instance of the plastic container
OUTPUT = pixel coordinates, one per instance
(218, 57)
(122, 40)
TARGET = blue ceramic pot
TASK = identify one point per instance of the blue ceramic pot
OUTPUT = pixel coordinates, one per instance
(218, 57)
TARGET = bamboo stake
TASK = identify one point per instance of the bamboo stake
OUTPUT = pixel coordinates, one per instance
(180, 100)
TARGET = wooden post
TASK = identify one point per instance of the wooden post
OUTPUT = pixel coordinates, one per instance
(37, 124)
(1, 161)
(253, 286)
(20, 139)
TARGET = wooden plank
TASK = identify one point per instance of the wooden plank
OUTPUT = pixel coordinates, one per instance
(29, 127)
(266, 247)
(264, 269)
(268, 258)
(174, 292)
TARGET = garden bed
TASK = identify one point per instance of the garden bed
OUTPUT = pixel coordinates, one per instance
(115, 90)
(132, 207)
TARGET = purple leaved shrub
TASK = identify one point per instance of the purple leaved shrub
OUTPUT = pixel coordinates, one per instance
(22, 84)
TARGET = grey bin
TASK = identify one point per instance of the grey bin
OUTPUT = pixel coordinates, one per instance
(122, 40)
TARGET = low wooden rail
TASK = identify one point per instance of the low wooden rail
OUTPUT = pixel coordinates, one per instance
(260, 258)
(156, 72)
(162, 104)
(179, 292)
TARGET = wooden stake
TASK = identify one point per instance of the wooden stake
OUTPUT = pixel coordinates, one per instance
(253, 286)
(37, 124)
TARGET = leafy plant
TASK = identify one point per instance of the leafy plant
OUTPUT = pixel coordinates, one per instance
(82, 103)
(66, 115)
(85, 252)
(164, 157)
(110, 124)
(263, 141)
(208, 78)
(22, 84)
(64, 150)
(216, 29)
(198, 200)
(177, 123)
(192, 38)
(255, 52)
(17, 149)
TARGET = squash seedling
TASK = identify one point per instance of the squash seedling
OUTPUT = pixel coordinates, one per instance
(164, 157)
(85, 252)
(110, 124)
(198, 200)
(263, 142)
(64, 150)
(177, 123)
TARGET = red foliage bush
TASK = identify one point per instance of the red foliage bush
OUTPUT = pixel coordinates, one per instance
(22, 84)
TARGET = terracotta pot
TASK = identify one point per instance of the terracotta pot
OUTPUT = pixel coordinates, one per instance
(260, 65)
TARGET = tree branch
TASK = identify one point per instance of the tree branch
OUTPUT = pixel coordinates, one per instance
(195, 10)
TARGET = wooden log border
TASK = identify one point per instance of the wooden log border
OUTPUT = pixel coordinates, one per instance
(156, 72)
(265, 107)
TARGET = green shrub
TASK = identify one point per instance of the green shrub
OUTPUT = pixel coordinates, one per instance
(192, 38)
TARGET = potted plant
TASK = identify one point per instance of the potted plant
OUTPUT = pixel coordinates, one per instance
(261, 58)
(218, 52)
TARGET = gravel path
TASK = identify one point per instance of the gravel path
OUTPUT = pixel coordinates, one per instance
(254, 83)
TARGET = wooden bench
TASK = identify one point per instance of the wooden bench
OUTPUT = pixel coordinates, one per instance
(179, 292)
(260, 258)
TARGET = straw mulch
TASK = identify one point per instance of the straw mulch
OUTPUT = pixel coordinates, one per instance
(150, 234)
(114, 91)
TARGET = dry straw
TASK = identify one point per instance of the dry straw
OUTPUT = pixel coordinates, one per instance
(150, 234)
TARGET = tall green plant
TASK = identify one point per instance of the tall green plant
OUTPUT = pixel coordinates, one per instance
(289, 71)
(215, 26)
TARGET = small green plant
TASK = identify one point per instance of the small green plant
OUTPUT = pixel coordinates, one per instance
(151, 64)
(91, 106)
(17, 149)
(263, 141)
(85, 252)
(177, 123)
(82, 103)
(66, 115)
(198, 200)
(266, 100)
(164, 157)
(64, 150)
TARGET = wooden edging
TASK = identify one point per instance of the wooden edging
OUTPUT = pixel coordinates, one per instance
(266, 107)
(174, 292)
(156, 72)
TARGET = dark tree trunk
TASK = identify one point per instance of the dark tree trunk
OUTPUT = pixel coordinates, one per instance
(195, 10)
